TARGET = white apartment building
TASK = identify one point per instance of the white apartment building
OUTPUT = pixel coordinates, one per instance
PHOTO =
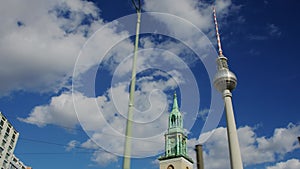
(17, 164)
(8, 140)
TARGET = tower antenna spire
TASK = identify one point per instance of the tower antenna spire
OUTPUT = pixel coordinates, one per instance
(217, 32)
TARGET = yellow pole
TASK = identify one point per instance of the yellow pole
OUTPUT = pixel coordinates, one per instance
(127, 150)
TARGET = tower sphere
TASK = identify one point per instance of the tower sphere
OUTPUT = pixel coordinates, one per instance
(225, 79)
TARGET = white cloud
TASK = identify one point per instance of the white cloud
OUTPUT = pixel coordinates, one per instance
(103, 158)
(203, 114)
(100, 156)
(60, 111)
(216, 155)
(189, 10)
(254, 149)
(39, 47)
(198, 13)
(39, 55)
(71, 145)
(273, 30)
(284, 140)
(289, 164)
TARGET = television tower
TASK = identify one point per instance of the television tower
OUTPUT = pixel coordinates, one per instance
(225, 81)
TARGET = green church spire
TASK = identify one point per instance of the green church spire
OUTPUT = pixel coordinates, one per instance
(175, 117)
(175, 105)
(175, 138)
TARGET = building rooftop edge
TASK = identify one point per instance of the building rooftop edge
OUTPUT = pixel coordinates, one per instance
(170, 157)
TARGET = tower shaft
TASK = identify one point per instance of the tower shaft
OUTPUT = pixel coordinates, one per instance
(234, 149)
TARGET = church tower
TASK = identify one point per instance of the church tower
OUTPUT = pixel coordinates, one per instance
(175, 156)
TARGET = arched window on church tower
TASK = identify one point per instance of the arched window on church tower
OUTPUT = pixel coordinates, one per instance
(173, 120)
(170, 167)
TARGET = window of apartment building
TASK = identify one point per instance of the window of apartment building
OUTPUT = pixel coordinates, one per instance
(9, 148)
(1, 125)
(7, 130)
(6, 135)
(4, 164)
(11, 144)
(3, 143)
(16, 134)
(13, 167)
(6, 156)
(1, 150)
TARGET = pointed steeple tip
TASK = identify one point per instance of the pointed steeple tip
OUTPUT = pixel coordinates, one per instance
(175, 104)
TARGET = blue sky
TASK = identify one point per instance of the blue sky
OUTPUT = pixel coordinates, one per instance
(45, 46)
